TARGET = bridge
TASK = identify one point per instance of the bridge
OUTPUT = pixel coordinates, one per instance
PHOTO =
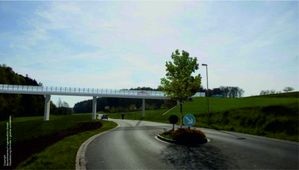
(93, 92)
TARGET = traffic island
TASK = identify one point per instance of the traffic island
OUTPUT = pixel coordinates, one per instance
(184, 136)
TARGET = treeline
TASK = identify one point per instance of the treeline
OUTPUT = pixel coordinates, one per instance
(15, 104)
(269, 92)
(225, 91)
(62, 108)
(113, 105)
(21, 105)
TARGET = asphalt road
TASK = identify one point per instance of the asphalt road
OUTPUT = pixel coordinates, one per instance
(133, 146)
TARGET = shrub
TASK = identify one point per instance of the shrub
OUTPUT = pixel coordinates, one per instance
(173, 119)
(281, 125)
(189, 136)
(277, 110)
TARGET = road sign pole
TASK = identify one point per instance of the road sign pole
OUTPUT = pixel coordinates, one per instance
(94, 108)
(207, 92)
(47, 107)
(143, 107)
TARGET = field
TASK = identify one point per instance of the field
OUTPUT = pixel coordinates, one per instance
(273, 116)
(31, 135)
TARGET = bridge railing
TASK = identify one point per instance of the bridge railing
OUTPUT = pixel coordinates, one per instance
(49, 89)
(72, 90)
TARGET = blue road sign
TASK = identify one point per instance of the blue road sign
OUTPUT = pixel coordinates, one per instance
(189, 120)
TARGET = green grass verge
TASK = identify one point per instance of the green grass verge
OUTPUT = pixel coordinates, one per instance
(275, 117)
(62, 155)
(32, 135)
(283, 95)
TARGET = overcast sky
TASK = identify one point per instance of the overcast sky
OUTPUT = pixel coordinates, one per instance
(253, 45)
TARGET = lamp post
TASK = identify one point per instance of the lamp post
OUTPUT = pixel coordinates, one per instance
(207, 92)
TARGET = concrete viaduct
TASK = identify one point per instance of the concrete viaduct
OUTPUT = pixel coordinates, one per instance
(92, 92)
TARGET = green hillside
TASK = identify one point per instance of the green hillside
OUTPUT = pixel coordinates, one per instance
(267, 116)
(282, 95)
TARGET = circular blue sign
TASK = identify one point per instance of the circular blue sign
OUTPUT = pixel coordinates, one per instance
(189, 120)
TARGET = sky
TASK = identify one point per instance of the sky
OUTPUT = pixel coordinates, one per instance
(123, 44)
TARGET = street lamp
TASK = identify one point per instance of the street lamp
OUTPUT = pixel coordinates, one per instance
(207, 92)
(207, 75)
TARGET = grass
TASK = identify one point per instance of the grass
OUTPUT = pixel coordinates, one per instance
(31, 135)
(62, 155)
(274, 116)
(284, 95)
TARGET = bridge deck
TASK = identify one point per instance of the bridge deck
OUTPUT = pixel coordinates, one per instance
(44, 90)
(48, 91)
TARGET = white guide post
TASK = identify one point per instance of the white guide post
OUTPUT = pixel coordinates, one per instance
(143, 107)
(47, 107)
(94, 108)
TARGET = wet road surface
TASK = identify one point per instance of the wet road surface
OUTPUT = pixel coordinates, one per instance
(133, 145)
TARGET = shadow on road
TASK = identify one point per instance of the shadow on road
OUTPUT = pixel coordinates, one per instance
(139, 121)
(201, 157)
(141, 128)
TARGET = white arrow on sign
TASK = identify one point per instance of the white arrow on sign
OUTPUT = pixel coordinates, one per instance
(190, 121)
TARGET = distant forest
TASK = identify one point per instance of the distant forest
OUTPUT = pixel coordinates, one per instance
(22, 105)
(113, 105)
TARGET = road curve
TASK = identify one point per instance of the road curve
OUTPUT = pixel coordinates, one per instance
(133, 146)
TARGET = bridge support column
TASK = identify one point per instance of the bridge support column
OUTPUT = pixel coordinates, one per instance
(94, 108)
(143, 107)
(47, 107)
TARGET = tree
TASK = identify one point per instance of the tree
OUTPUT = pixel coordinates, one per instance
(179, 84)
(288, 89)
(18, 104)
(268, 92)
(225, 91)
(65, 104)
(240, 92)
(228, 91)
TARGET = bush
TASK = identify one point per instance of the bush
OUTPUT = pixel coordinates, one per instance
(173, 119)
(277, 126)
(187, 136)
(277, 110)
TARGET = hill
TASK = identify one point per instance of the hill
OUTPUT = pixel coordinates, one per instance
(282, 95)
(15, 104)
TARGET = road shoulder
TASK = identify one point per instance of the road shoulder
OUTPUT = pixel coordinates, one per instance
(80, 157)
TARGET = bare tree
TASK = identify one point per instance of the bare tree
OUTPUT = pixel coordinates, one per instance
(65, 104)
(267, 92)
(59, 103)
(288, 89)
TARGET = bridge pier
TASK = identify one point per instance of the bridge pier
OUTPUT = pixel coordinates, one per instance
(94, 108)
(47, 107)
(143, 107)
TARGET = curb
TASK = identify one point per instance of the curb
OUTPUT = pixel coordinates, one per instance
(80, 157)
(174, 141)
(166, 139)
